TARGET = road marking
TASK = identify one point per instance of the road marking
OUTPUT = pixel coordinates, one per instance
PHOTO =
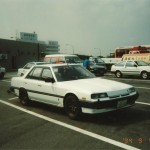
(6, 80)
(142, 88)
(96, 136)
(142, 103)
(118, 79)
(12, 98)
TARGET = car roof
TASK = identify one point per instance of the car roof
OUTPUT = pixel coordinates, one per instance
(52, 55)
(53, 65)
(37, 62)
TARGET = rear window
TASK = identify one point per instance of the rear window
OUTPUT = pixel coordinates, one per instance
(73, 59)
(62, 59)
(53, 60)
(47, 59)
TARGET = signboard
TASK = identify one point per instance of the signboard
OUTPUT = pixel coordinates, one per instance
(28, 36)
(53, 43)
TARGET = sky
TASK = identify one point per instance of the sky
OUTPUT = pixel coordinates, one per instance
(90, 27)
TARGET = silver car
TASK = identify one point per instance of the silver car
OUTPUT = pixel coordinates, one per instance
(131, 67)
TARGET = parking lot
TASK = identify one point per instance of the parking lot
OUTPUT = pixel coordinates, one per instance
(41, 126)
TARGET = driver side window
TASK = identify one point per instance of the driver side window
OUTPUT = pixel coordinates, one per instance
(46, 73)
(130, 64)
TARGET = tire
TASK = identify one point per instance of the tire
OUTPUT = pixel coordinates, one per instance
(21, 74)
(72, 107)
(118, 74)
(1, 75)
(23, 96)
(144, 75)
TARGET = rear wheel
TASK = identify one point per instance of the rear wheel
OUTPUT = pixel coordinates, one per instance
(23, 96)
(72, 107)
(144, 75)
(118, 74)
(1, 75)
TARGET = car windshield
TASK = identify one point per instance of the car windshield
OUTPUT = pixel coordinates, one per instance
(141, 63)
(73, 59)
(92, 63)
(71, 72)
(98, 60)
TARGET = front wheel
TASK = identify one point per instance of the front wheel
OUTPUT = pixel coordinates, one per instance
(144, 75)
(1, 75)
(118, 74)
(72, 107)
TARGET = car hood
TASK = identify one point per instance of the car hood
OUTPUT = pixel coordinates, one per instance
(94, 85)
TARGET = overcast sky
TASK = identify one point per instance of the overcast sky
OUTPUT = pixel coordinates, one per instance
(83, 24)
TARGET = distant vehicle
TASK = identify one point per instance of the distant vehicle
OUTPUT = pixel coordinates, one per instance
(137, 56)
(74, 88)
(97, 69)
(119, 52)
(98, 61)
(131, 67)
(62, 58)
(22, 71)
(2, 72)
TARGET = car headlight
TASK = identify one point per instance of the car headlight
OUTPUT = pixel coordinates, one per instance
(131, 90)
(99, 95)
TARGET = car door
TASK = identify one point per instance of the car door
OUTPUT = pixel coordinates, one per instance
(131, 68)
(48, 89)
(38, 89)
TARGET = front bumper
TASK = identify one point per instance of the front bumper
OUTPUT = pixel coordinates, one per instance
(106, 106)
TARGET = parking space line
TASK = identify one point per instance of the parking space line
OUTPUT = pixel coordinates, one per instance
(142, 88)
(142, 103)
(82, 131)
(6, 80)
(12, 98)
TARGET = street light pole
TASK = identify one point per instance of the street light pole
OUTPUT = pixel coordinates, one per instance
(71, 46)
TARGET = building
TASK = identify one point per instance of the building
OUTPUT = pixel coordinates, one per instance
(52, 47)
(16, 53)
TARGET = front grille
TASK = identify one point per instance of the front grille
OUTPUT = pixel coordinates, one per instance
(110, 103)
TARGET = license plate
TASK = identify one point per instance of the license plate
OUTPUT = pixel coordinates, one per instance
(122, 103)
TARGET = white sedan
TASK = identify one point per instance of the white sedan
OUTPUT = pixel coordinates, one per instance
(131, 67)
(74, 88)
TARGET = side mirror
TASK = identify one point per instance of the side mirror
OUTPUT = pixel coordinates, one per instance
(52, 80)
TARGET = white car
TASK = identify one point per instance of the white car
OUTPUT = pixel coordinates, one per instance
(2, 72)
(22, 71)
(74, 88)
(131, 67)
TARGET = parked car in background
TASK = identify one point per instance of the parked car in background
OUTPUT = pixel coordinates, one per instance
(74, 88)
(96, 69)
(98, 61)
(2, 72)
(62, 58)
(22, 71)
(131, 67)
